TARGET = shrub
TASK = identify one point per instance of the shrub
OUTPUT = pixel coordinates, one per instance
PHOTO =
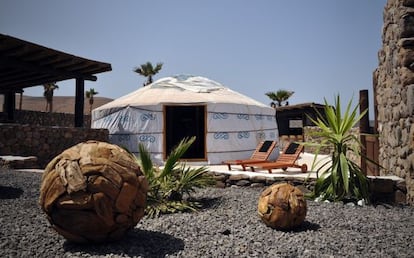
(340, 178)
(169, 186)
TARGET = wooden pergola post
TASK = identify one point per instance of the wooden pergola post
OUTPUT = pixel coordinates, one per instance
(10, 105)
(79, 101)
(363, 127)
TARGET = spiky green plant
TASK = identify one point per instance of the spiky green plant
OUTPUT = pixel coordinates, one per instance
(169, 186)
(340, 178)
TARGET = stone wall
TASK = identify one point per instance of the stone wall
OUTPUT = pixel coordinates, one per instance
(44, 142)
(383, 190)
(394, 93)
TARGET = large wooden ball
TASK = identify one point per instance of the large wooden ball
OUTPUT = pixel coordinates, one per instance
(282, 206)
(93, 192)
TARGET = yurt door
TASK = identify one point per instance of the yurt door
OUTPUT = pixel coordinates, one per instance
(185, 121)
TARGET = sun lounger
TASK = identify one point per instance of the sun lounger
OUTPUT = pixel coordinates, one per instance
(261, 154)
(287, 158)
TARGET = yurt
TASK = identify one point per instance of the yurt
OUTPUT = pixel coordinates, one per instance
(227, 124)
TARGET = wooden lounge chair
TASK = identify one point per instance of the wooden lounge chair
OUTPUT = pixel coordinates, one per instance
(261, 154)
(286, 159)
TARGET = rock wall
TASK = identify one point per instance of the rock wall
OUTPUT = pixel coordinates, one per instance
(44, 142)
(394, 93)
(383, 190)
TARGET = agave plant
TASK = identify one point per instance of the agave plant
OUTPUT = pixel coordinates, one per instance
(340, 178)
(169, 186)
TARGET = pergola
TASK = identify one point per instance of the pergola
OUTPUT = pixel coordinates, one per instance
(24, 64)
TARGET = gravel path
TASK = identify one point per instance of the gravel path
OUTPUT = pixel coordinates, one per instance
(227, 227)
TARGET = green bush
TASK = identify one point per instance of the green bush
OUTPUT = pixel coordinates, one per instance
(340, 178)
(169, 186)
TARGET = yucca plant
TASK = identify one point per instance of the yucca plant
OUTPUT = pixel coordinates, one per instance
(339, 178)
(170, 188)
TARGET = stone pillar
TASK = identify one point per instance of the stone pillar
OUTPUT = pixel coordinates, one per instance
(393, 87)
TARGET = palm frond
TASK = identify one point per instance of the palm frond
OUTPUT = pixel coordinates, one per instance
(343, 162)
(168, 185)
(176, 154)
(146, 162)
(171, 207)
(192, 178)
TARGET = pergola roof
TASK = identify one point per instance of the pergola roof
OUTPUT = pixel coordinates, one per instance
(301, 106)
(24, 64)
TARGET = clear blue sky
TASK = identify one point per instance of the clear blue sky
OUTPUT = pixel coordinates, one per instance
(315, 48)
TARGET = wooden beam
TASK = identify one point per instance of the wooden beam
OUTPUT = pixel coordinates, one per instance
(26, 83)
(79, 102)
(35, 67)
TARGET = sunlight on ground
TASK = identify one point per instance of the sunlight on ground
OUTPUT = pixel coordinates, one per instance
(306, 158)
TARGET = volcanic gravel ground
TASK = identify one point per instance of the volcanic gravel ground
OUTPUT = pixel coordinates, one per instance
(227, 226)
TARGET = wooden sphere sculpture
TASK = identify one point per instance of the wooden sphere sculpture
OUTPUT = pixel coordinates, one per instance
(93, 192)
(282, 206)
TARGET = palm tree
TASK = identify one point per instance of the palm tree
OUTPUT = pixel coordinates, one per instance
(148, 70)
(280, 96)
(48, 94)
(89, 94)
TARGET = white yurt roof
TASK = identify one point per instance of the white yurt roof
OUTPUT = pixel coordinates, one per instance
(184, 89)
(234, 125)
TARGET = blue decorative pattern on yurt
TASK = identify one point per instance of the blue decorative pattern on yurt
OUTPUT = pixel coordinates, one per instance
(221, 135)
(238, 132)
(146, 138)
(220, 116)
(148, 116)
(242, 135)
(243, 116)
(261, 135)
